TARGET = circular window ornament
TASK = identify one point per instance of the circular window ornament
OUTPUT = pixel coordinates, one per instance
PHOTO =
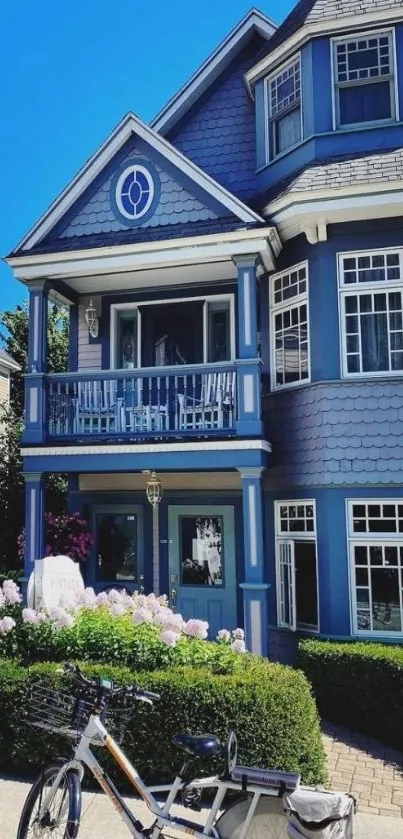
(134, 192)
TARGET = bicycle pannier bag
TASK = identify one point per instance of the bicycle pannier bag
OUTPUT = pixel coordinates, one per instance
(319, 814)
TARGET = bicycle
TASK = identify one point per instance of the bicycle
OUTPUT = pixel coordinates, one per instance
(268, 802)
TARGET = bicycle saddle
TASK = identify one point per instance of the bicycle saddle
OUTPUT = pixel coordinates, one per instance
(202, 745)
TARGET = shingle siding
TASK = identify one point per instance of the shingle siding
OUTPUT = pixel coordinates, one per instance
(333, 9)
(335, 434)
(219, 133)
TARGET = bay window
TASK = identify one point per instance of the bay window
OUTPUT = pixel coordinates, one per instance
(363, 68)
(283, 94)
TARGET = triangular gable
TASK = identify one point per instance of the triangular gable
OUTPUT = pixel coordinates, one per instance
(134, 161)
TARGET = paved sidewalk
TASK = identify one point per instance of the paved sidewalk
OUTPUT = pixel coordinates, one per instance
(373, 773)
(101, 822)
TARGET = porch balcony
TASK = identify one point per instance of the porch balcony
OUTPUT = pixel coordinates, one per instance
(184, 401)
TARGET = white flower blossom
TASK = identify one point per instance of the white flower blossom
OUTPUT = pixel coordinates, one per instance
(6, 625)
(196, 628)
(117, 609)
(238, 646)
(169, 637)
(238, 634)
(11, 593)
(142, 616)
(224, 635)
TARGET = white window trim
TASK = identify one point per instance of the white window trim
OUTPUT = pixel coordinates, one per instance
(344, 290)
(270, 158)
(354, 539)
(213, 298)
(394, 81)
(295, 536)
(274, 308)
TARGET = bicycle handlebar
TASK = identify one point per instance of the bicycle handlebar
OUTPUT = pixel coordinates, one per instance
(106, 687)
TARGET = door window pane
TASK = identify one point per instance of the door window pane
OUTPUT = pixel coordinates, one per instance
(116, 547)
(127, 331)
(201, 550)
(306, 584)
(219, 345)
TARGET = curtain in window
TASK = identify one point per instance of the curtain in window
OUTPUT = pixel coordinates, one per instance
(374, 342)
(288, 130)
(364, 103)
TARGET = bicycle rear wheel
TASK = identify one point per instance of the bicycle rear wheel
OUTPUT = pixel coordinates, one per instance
(62, 818)
(269, 820)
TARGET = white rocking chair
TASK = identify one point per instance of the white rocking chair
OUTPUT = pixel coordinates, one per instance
(214, 409)
(97, 408)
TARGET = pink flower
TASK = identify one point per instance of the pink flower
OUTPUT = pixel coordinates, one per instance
(142, 616)
(102, 599)
(238, 646)
(30, 616)
(117, 609)
(11, 592)
(196, 628)
(114, 596)
(6, 625)
(169, 638)
(163, 616)
(224, 635)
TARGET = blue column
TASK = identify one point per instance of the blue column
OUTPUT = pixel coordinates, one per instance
(254, 586)
(34, 520)
(35, 390)
(247, 305)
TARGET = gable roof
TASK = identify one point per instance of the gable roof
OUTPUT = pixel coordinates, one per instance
(130, 125)
(6, 360)
(220, 58)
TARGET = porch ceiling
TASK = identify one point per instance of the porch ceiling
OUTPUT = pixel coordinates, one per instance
(157, 277)
(170, 481)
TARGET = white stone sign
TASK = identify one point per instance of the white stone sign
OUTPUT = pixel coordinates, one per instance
(55, 579)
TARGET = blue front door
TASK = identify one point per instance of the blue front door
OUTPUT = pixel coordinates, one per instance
(202, 564)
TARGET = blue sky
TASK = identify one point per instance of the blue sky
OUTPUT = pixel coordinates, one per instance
(70, 71)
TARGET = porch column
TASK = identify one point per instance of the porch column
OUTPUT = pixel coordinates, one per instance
(249, 367)
(35, 393)
(34, 520)
(254, 586)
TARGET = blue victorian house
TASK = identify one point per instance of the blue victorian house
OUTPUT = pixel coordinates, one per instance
(234, 276)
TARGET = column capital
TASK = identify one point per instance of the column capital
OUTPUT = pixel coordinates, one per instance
(246, 260)
(252, 472)
(33, 477)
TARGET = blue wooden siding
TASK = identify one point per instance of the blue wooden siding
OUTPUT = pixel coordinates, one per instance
(219, 132)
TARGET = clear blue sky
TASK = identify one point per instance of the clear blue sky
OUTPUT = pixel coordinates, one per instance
(70, 71)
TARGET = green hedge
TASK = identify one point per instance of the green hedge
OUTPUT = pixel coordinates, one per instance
(357, 684)
(270, 707)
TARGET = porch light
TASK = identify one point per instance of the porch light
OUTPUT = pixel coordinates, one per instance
(154, 490)
(91, 319)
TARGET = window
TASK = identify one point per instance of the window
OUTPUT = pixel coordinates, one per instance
(116, 539)
(284, 108)
(371, 306)
(218, 331)
(363, 73)
(289, 327)
(297, 586)
(376, 562)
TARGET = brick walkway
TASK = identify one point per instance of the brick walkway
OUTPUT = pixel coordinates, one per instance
(373, 773)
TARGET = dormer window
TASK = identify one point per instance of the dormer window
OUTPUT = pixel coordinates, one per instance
(364, 79)
(284, 108)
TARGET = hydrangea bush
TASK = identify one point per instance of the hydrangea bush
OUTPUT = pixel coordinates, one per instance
(138, 630)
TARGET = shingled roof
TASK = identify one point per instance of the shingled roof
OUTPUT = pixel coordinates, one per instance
(342, 172)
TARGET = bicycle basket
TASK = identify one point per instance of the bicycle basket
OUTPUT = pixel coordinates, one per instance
(61, 713)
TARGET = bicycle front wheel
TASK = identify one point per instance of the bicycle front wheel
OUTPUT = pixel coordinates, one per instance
(61, 819)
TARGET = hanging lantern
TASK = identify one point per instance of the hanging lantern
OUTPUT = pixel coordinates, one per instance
(91, 319)
(154, 490)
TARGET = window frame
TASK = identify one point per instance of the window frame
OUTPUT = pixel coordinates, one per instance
(392, 78)
(288, 539)
(213, 298)
(270, 121)
(367, 539)
(356, 289)
(275, 308)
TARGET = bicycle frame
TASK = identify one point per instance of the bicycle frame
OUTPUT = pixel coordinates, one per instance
(96, 733)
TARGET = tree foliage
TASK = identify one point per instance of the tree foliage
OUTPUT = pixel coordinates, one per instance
(14, 333)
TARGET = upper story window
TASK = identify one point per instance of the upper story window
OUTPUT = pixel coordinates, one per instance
(284, 108)
(289, 327)
(371, 311)
(364, 79)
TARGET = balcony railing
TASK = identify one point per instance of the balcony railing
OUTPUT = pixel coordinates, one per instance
(149, 402)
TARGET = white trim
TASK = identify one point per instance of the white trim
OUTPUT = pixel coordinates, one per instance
(130, 125)
(270, 146)
(356, 290)
(276, 308)
(318, 29)
(255, 615)
(174, 252)
(252, 526)
(366, 539)
(392, 79)
(209, 298)
(155, 448)
(133, 168)
(211, 68)
(291, 537)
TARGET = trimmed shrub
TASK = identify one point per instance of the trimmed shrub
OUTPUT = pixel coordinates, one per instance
(358, 684)
(270, 707)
